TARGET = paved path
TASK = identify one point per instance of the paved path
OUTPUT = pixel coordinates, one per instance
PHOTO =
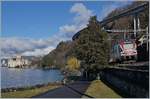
(74, 90)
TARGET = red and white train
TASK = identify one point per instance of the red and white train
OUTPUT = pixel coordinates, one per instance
(123, 51)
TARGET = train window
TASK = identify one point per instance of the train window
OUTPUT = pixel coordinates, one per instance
(128, 46)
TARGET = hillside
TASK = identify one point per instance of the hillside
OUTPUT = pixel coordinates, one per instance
(127, 21)
(58, 56)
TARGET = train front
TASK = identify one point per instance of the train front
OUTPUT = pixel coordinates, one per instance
(129, 51)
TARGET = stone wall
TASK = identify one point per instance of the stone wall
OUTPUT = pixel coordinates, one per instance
(132, 83)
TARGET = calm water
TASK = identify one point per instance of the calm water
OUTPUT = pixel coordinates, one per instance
(13, 77)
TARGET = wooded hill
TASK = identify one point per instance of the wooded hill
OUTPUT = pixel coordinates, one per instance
(57, 57)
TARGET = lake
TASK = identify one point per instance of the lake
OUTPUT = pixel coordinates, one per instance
(17, 77)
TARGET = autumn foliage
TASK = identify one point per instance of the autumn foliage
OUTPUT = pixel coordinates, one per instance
(73, 64)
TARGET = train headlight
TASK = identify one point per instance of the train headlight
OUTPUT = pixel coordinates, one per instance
(123, 53)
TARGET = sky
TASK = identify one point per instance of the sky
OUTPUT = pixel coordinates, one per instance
(36, 27)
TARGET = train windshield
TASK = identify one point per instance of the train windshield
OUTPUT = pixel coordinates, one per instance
(128, 46)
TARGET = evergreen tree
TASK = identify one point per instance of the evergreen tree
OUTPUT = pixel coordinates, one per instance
(92, 46)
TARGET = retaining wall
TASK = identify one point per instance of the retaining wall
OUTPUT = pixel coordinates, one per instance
(133, 83)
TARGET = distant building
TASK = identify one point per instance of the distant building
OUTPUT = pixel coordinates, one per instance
(4, 62)
(18, 61)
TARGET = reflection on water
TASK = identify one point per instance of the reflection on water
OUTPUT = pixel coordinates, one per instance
(14, 77)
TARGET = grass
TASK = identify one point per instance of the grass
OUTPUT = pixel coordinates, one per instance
(98, 89)
(28, 92)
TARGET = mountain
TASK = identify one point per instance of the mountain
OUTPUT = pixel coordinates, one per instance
(58, 56)
(127, 22)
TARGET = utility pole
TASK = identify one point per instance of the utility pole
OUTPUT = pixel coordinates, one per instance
(147, 37)
(138, 23)
(135, 26)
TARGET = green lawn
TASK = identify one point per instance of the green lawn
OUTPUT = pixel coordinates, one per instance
(28, 92)
(98, 89)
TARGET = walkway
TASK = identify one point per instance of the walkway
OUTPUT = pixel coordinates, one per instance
(75, 90)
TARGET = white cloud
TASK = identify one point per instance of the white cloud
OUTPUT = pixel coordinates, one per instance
(82, 15)
(13, 45)
(68, 28)
(39, 52)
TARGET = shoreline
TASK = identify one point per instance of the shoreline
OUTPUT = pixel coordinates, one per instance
(34, 67)
(30, 91)
(14, 89)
